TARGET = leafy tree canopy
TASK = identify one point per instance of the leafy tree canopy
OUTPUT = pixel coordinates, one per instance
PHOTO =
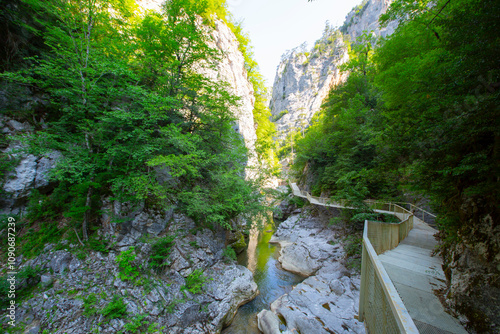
(131, 113)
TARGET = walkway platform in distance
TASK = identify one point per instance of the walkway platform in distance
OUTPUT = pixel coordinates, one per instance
(415, 274)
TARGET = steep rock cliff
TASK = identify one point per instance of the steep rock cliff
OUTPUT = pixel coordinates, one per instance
(303, 80)
(231, 69)
(364, 18)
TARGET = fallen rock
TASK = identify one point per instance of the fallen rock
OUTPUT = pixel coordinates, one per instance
(304, 245)
(327, 301)
(76, 291)
(268, 322)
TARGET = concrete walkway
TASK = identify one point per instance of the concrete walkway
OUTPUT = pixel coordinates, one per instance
(415, 273)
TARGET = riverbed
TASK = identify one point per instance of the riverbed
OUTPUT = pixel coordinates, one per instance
(261, 258)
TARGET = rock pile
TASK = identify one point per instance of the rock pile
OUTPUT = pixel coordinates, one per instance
(75, 290)
(325, 302)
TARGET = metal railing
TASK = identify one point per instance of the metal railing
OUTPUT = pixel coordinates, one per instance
(380, 305)
(400, 210)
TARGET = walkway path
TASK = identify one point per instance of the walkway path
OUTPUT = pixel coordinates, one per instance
(414, 272)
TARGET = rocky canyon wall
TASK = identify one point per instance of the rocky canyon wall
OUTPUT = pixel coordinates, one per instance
(364, 18)
(304, 77)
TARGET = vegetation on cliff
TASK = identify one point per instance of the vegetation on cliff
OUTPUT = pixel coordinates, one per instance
(126, 105)
(419, 114)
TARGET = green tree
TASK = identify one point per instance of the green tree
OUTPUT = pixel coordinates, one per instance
(128, 100)
(86, 76)
(438, 77)
(441, 103)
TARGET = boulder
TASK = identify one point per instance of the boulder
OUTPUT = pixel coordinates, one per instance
(327, 301)
(297, 258)
(233, 286)
(60, 261)
(268, 322)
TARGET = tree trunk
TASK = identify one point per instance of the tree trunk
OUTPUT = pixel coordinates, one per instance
(86, 217)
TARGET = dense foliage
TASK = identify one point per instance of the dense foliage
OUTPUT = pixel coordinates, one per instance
(419, 112)
(419, 116)
(131, 112)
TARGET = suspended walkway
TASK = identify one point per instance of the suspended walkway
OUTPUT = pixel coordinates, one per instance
(399, 274)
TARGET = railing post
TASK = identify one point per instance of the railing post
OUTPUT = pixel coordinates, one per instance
(364, 279)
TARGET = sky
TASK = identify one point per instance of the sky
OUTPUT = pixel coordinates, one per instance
(275, 26)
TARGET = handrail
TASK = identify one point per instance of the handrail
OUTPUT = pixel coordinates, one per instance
(389, 207)
(376, 282)
(418, 208)
(383, 309)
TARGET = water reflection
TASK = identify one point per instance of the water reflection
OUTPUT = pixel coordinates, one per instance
(261, 258)
(251, 250)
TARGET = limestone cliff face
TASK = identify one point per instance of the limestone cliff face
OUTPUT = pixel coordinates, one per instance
(303, 80)
(231, 69)
(364, 18)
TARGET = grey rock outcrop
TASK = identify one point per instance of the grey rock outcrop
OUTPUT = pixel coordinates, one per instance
(31, 172)
(472, 269)
(68, 281)
(268, 322)
(127, 223)
(364, 18)
(231, 69)
(284, 209)
(325, 302)
(304, 245)
(303, 79)
(314, 307)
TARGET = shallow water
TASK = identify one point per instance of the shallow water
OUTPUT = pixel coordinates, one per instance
(261, 258)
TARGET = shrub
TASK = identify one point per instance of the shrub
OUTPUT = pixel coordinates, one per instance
(171, 307)
(34, 242)
(89, 305)
(115, 309)
(27, 280)
(160, 252)
(281, 114)
(297, 201)
(98, 245)
(229, 253)
(353, 245)
(388, 218)
(195, 281)
(361, 217)
(128, 271)
(137, 324)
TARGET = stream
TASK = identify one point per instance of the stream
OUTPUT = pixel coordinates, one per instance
(261, 258)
